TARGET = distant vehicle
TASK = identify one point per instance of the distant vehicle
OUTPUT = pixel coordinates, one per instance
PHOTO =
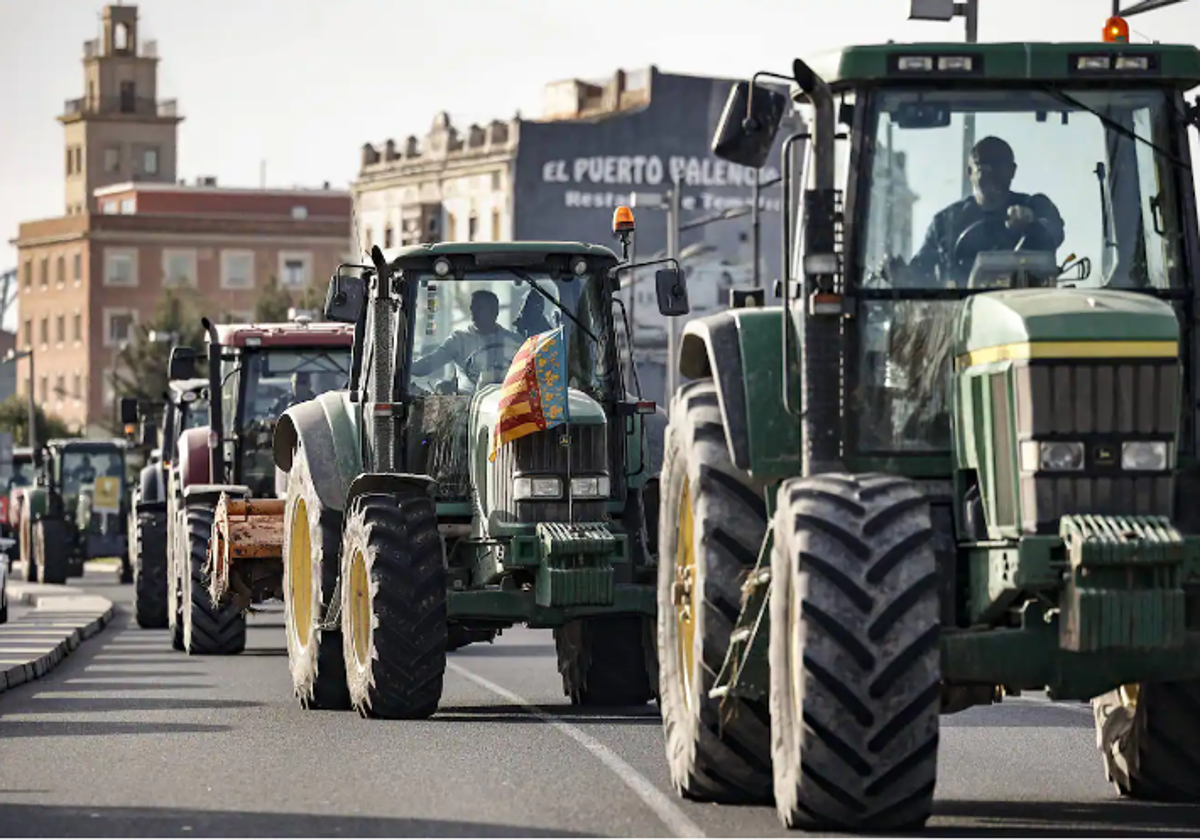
(6, 545)
(23, 475)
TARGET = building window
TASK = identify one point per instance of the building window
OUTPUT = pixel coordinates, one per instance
(70, 161)
(44, 272)
(179, 268)
(28, 274)
(44, 331)
(77, 327)
(60, 328)
(387, 237)
(451, 227)
(120, 267)
(28, 332)
(60, 270)
(118, 325)
(299, 212)
(295, 269)
(112, 159)
(150, 161)
(128, 206)
(237, 269)
(109, 208)
(495, 225)
(79, 160)
(44, 388)
(78, 268)
(60, 386)
(472, 227)
(77, 386)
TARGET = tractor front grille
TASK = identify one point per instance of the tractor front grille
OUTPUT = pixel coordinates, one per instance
(562, 451)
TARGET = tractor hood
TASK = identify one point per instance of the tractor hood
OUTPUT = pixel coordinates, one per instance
(582, 409)
(996, 325)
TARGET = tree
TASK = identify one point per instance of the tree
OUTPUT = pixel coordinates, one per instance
(141, 365)
(14, 418)
(273, 303)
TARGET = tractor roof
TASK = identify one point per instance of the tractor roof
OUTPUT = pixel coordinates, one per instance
(182, 386)
(1175, 65)
(88, 444)
(23, 453)
(287, 334)
(524, 248)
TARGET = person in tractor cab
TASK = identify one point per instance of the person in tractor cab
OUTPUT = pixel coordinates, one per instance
(85, 473)
(483, 348)
(994, 217)
(301, 392)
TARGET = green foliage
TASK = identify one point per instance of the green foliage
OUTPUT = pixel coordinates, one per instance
(141, 366)
(14, 418)
(274, 301)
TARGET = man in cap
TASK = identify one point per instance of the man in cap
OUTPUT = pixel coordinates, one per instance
(483, 347)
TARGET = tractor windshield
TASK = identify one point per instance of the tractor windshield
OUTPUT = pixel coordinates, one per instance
(23, 474)
(1085, 184)
(81, 468)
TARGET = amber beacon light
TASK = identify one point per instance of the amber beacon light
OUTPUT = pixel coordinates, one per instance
(1116, 30)
(622, 220)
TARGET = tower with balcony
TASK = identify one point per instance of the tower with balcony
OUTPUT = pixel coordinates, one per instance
(118, 131)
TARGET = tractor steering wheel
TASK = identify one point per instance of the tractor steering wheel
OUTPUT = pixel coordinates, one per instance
(469, 362)
(979, 235)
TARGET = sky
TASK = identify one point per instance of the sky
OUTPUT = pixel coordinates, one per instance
(304, 90)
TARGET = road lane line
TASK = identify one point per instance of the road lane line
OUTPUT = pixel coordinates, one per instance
(658, 802)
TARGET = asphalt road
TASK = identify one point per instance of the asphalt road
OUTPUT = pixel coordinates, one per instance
(128, 738)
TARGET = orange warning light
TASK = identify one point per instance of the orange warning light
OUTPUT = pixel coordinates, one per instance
(622, 219)
(130, 428)
(1116, 30)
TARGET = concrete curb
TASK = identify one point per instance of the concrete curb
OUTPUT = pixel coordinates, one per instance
(62, 618)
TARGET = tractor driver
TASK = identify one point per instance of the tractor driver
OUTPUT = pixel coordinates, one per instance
(301, 392)
(996, 216)
(85, 473)
(483, 347)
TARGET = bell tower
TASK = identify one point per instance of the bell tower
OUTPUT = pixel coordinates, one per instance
(119, 130)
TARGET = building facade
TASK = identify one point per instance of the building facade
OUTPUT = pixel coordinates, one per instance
(130, 230)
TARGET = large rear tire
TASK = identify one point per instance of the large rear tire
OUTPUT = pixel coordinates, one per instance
(208, 630)
(855, 668)
(51, 551)
(312, 537)
(1149, 736)
(711, 529)
(151, 602)
(393, 606)
(606, 660)
(177, 561)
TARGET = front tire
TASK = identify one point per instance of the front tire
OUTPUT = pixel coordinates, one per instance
(51, 551)
(311, 540)
(151, 590)
(605, 661)
(393, 606)
(208, 630)
(1149, 735)
(854, 653)
(711, 529)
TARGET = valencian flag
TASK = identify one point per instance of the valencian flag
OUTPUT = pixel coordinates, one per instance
(534, 395)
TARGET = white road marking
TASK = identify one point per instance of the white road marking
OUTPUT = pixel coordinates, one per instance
(658, 802)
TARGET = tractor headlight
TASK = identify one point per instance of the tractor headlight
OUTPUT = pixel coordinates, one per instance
(592, 487)
(1051, 455)
(1144, 455)
(525, 488)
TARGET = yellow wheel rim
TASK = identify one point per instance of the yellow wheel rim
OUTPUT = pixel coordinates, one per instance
(360, 609)
(1129, 695)
(685, 592)
(300, 574)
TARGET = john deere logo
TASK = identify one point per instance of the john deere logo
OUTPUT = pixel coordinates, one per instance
(1105, 455)
(565, 440)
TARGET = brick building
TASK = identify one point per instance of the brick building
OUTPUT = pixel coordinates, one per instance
(131, 230)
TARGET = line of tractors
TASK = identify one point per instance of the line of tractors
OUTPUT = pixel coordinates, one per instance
(802, 604)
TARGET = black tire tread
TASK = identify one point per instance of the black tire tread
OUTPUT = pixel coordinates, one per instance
(863, 756)
(605, 660)
(207, 630)
(51, 551)
(150, 571)
(719, 754)
(1155, 756)
(398, 537)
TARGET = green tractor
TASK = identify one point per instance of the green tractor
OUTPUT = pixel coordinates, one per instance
(928, 482)
(77, 510)
(404, 539)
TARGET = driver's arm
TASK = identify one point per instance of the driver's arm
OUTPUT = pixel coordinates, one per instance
(446, 353)
(1048, 220)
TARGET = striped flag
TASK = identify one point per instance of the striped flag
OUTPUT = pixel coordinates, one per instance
(534, 395)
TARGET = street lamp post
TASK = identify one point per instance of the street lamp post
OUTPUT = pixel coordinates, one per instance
(15, 356)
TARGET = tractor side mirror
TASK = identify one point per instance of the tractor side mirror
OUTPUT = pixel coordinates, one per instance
(747, 129)
(672, 292)
(129, 410)
(345, 300)
(182, 364)
(148, 433)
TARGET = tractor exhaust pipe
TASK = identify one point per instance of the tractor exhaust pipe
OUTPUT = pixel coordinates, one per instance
(216, 417)
(821, 317)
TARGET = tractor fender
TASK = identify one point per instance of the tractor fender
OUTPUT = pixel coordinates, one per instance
(195, 466)
(151, 485)
(408, 484)
(204, 492)
(327, 431)
(763, 437)
(37, 502)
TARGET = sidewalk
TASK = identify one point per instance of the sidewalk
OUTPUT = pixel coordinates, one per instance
(33, 643)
